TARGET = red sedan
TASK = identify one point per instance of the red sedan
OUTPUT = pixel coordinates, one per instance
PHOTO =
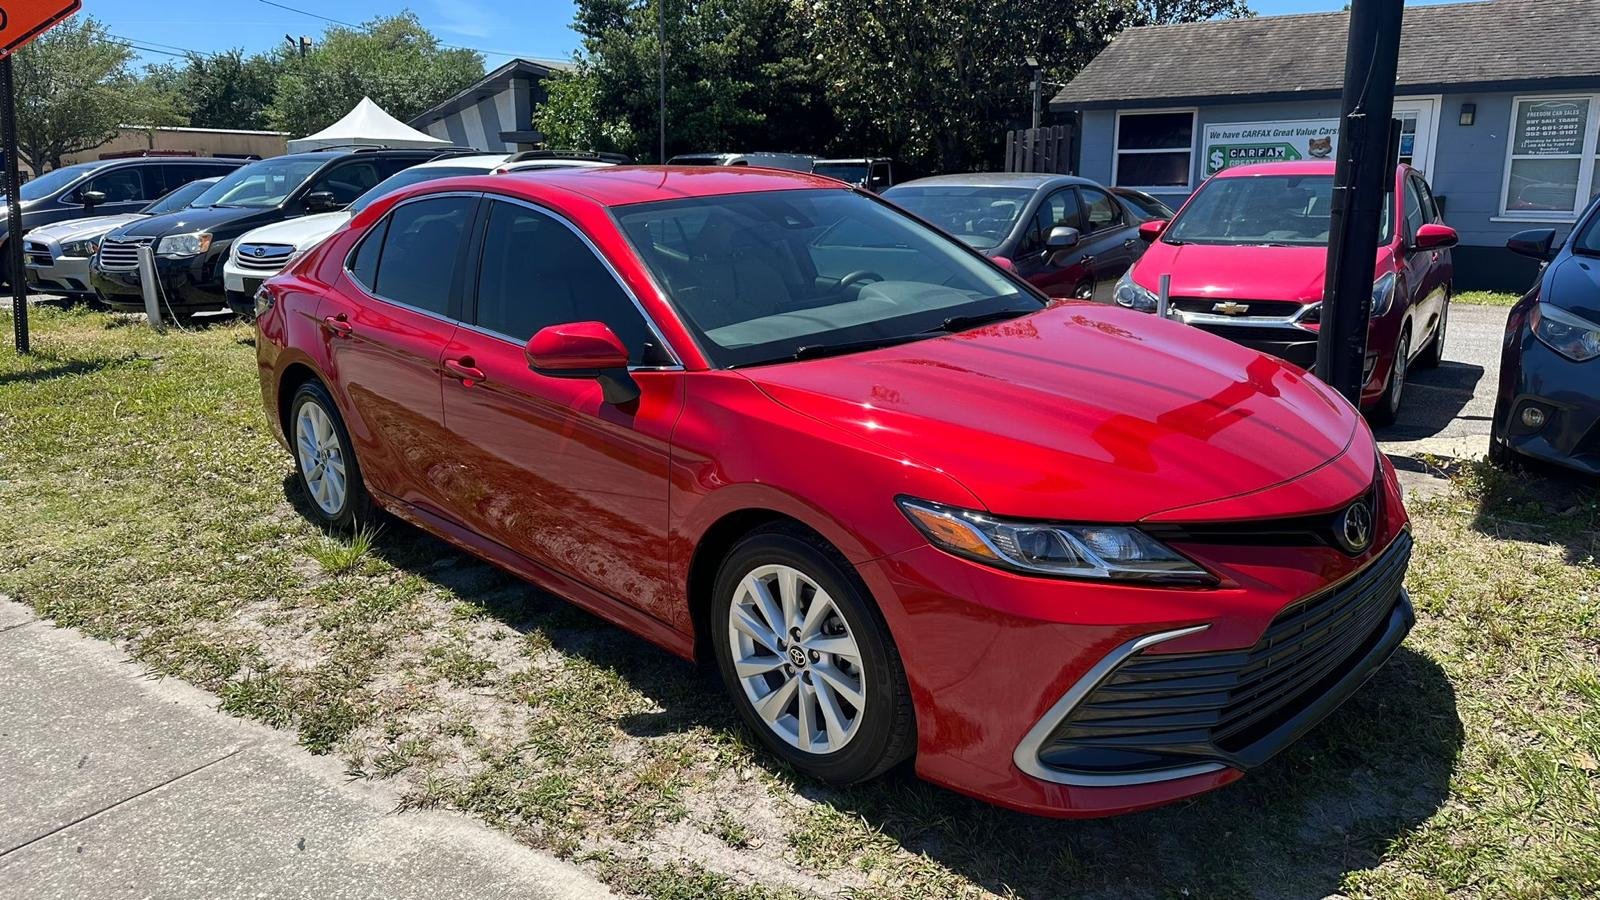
(1073, 560)
(1248, 255)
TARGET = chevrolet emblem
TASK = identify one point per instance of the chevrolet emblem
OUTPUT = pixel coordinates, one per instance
(1230, 308)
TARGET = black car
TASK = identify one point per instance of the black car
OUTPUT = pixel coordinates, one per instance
(1067, 236)
(1548, 407)
(1143, 205)
(192, 245)
(105, 187)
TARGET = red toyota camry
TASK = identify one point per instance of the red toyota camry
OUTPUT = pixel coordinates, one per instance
(1072, 560)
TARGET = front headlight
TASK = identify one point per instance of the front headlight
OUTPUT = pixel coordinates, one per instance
(1128, 293)
(1102, 552)
(1382, 295)
(184, 244)
(80, 248)
(1572, 336)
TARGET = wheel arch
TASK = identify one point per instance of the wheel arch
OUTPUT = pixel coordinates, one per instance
(292, 377)
(714, 545)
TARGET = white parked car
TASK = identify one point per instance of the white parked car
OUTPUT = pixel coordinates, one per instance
(260, 254)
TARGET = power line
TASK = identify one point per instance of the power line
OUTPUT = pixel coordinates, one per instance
(365, 28)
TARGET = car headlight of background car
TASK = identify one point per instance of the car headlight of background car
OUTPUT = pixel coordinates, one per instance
(1103, 552)
(1572, 336)
(80, 248)
(1383, 294)
(1128, 293)
(179, 245)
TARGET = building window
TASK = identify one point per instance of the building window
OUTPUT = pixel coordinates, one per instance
(1154, 149)
(1550, 163)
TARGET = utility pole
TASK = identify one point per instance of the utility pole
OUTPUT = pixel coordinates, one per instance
(18, 275)
(1037, 87)
(661, 79)
(1362, 175)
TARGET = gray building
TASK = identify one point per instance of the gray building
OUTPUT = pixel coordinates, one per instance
(1499, 100)
(497, 112)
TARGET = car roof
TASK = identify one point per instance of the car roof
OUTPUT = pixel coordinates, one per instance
(998, 179)
(485, 161)
(623, 185)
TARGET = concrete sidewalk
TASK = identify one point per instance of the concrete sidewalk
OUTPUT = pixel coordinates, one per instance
(117, 785)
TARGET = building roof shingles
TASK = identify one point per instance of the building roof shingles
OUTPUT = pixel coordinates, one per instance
(1480, 43)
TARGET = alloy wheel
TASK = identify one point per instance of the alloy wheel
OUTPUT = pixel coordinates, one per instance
(321, 458)
(795, 658)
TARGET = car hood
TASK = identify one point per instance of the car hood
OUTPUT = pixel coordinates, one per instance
(1082, 412)
(82, 229)
(1243, 273)
(223, 221)
(1575, 286)
(298, 233)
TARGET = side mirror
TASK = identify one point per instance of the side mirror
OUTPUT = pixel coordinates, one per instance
(1434, 236)
(321, 201)
(1150, 231)
(584, 350)
(1004, 262)
(92, 199)
(1535, 242)
(1061, 237)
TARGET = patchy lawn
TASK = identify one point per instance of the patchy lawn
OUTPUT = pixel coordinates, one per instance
(145, 502)
(1487, 298)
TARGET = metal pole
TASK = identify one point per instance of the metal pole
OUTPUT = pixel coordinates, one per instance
(661, 78)
(1361, 174)
(1038, 92)
(18, 276)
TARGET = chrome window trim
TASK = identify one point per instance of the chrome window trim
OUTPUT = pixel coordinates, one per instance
(1026, 756)
(649, 321)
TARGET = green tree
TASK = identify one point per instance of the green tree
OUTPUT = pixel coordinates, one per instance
(393, 60)
(937, 82)
(739, 76)
(222, 90)
(75, 88)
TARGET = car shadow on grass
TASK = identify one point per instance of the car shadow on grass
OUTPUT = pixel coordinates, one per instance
(1541, 503)
(1327, 806)
(65, 369)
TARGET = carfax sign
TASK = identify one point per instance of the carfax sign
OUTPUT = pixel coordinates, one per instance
(1243, 143)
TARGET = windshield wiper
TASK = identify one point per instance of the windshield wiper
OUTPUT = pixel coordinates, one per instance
(973, 320)
(813, 351)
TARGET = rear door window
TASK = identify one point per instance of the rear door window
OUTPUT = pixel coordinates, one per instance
(419, 253)
(1100, 210)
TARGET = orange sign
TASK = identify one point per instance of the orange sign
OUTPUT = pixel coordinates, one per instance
(22, 20)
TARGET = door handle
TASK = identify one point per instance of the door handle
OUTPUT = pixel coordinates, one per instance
(464, 370)
(339, 325)
(1087, 260)
(1128, 244)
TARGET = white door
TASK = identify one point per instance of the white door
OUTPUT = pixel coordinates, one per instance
(1419, 129)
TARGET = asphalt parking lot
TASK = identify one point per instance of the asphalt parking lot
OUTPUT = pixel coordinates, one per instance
(1447, 410)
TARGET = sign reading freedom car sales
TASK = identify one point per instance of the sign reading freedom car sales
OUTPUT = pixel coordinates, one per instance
(1243, 143)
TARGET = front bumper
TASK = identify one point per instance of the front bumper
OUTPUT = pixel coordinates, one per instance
(188, 285)
(48, 271)
(999, 663)
(1533, 375)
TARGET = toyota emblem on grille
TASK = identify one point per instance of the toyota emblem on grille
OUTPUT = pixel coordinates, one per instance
(1355, 527)
(1230, 308)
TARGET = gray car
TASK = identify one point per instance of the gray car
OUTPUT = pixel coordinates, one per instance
(1068, 236)
(102, 188)
(57, 256)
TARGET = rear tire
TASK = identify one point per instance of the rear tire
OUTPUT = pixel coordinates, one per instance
(1388, 408)
(325, 461)
(823, 688)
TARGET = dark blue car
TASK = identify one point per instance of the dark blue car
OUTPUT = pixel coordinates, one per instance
(1549, 402)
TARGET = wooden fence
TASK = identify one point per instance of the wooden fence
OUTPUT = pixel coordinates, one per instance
(1047, 149)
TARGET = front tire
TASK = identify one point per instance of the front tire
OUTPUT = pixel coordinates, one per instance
(1432, 357)
(325, 462)
(808, 659)
(1388, 408)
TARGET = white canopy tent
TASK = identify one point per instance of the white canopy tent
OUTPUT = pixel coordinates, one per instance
(366, 126)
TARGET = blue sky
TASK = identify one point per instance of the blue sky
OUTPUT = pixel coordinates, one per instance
(532, 28)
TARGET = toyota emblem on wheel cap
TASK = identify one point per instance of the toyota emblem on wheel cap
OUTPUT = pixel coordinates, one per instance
(1355, 527)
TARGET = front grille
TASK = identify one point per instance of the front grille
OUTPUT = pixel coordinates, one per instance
(1161, 710)
(263, 257)
(121, 255)
(37, 254)
(1207, 305)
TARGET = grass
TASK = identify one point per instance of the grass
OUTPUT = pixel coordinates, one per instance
(145, 501)
(1487, 298)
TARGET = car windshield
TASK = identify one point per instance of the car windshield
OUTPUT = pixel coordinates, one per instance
(852, 173)
(980, 216)
(776, 275)
(408, 177)
(53, 181)
(1262, 210)
(262, 184)
(178, 199)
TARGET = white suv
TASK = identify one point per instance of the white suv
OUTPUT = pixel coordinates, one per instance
(260, 254)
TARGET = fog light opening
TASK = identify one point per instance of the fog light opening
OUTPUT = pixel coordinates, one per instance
(1533, 417)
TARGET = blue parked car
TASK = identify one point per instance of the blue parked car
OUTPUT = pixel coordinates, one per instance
(1549, 402)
